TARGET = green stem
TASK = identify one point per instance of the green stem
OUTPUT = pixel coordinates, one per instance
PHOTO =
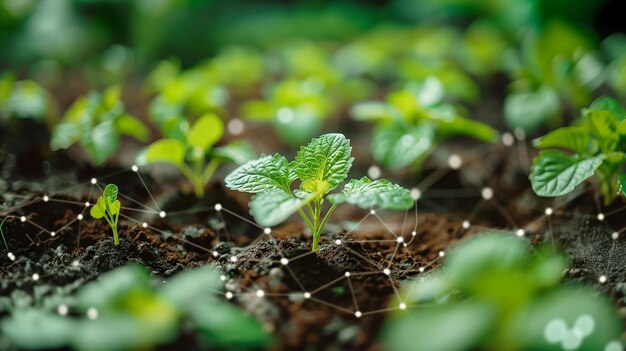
(2, 233)
(306, 220)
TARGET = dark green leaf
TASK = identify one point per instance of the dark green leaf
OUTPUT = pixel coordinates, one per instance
(555, 174)
(609, 104)
(265, 173)
(110, 193)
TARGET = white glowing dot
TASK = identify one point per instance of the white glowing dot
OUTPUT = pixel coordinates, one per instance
(80, 216)
(386, 271)
(11, 256)
(93, 181)
(284, 261)
(520, 232)
(615, 235)
(218, 207)
(62, 310)
(465, 224)
(75, 263)
(215, 254)
(260, 293)
(507, 139)
(337, 242)
(233, 259)
(92, 313)
(307, 295)
(235, 126)
(144, 224)
(374, 172)
(602, 279)
(414, 233)
(35, 277)
(23, 219)
(347, 274)
(454, 161)
(162, 214)
(229, 295)
(267, 231)
(404, 244)
(600, 216)
(486, 193)
(402, 306)
(422, 269)
(372, 212)
(53, 233)
(134, 168)
(549, 211)
(520, 134)
(441, 253)
(400, 239)
(222, 277)
(87, 204)
(45, 198)
(358, 314)
(416, 194)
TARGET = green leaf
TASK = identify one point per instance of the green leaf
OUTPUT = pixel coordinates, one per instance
(396, 147)
(451, 327)
(274, 206)
(186, 287)
(131, 126)
(555, 174)
(609, 104)
(64, 135)
(238, 152)
(166, 150)
(98, 210)
(325, 160)
(35, 329)
(207, 130)
(101, 142)
(114, 208)
(380, 193)
(458, 125)
(573, 138)
(530, 110)
(110, 193)
(265, 173)
(297, 125)
(604, 127)
(371, 111)
(622, 183)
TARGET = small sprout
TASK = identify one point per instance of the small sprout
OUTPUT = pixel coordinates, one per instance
(108, 207)
(321, 166)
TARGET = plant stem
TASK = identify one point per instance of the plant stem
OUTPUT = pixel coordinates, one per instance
(306, 220)
(2, 233)
(319, 226)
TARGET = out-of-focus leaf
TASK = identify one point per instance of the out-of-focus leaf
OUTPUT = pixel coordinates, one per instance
(274, 206)
(238, 152)
(166, 150)
(396, 147)
(530, 110)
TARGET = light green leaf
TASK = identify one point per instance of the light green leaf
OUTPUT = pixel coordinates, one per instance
(572, 138)
(101, 142)
(604, 127)
(114, 208)
(381, 193)
(325, 160)
(555, 174)
(458, 125)
(530, 110)
(609, 104)
(297, 125)
(97, 211)
(238, 152)
(207, 130)
(64, 135)
(186, 287)
(273, 206)
(265, 173)
(131, 126)
(35, 329)
(371, 111)
(110, 193)
(166, 150)
(396, 147)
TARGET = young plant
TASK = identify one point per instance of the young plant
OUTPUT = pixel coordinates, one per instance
(25, 99)
(413, 121)
(108, 207)
(492, 293)
(595, 146)
(191, 152)
(321, 167)
(97, 122)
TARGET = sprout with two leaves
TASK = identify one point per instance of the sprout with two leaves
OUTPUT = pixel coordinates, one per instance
(320, 167)
(108, 207)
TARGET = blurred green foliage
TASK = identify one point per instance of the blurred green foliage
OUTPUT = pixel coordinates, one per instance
(492, 293)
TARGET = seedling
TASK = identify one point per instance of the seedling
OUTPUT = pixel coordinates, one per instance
(24, 99)
(595, 146)
(191, 152)
(413, 121)
(97, 122)
(321, 166)
(108, 207)
(499, 296)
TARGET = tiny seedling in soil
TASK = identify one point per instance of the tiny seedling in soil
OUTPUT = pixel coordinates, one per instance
(190, 153)
(594, 145)
(108, 207)
(321, 167)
